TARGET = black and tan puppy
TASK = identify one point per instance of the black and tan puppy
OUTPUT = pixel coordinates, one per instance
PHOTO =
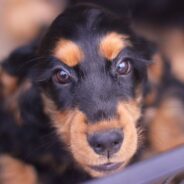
(91, 81)
(90, 71)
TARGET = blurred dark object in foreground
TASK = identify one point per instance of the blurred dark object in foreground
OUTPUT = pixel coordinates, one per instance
(158, 170)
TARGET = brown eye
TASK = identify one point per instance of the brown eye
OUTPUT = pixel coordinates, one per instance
(123, 67)
(62, 76)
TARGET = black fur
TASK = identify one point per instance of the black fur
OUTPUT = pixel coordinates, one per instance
(97, 91)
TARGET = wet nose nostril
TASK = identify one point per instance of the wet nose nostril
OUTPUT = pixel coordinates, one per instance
(106, 143)
(98, 147)
(115, 143)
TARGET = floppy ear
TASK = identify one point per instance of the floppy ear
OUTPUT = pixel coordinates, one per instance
(20, 60)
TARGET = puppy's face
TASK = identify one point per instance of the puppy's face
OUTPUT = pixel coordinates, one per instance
(91, 80)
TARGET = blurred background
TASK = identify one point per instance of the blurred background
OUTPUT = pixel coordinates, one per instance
(160, 21)
(22, 20)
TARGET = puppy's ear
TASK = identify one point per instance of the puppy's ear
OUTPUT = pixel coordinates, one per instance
(15, 68)
(20, 61)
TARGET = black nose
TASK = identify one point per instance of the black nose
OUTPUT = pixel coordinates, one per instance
(106, 143)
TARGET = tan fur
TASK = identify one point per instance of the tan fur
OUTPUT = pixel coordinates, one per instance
(166, 128)
(11, 101)
(151, 97)
(62, 120)
(155, 74)
(73, 127)
(13, 171)
(8, 83)
(173, 46)
(155, 70)
(68, 52)
(111, 45)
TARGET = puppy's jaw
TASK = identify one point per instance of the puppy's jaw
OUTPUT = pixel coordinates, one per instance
(72, 127)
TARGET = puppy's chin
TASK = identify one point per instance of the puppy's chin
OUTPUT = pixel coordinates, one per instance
(103, 170)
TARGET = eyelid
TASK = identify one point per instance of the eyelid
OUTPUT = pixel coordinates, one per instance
(119, 59)
(58, 63)
(57, 68)
(68, 70)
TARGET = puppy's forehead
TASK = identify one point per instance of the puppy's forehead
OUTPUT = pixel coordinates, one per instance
(107, 46)
(69, 52)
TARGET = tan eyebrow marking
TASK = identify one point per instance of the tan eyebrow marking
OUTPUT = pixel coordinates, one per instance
(112, 43)
(68, 52)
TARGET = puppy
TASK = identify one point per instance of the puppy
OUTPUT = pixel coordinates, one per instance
(90, 72)
(91, 80)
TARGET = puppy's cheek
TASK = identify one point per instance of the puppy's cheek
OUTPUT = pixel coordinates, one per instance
(129, 114)
(81, 150)
(62, 124)
(73, 132)
(61, 121)
(130, 143)
(71, 128)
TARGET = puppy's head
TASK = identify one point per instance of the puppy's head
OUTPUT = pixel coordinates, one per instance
(91, 80)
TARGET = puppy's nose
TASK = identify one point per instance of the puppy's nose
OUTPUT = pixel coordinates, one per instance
(106, 143)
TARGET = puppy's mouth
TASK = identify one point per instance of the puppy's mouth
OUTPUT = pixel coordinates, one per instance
(107, 167)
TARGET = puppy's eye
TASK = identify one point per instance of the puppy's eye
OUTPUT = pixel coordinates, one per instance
(62, 76)
(124, 67)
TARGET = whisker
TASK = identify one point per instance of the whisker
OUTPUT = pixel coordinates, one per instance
(29, 61)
